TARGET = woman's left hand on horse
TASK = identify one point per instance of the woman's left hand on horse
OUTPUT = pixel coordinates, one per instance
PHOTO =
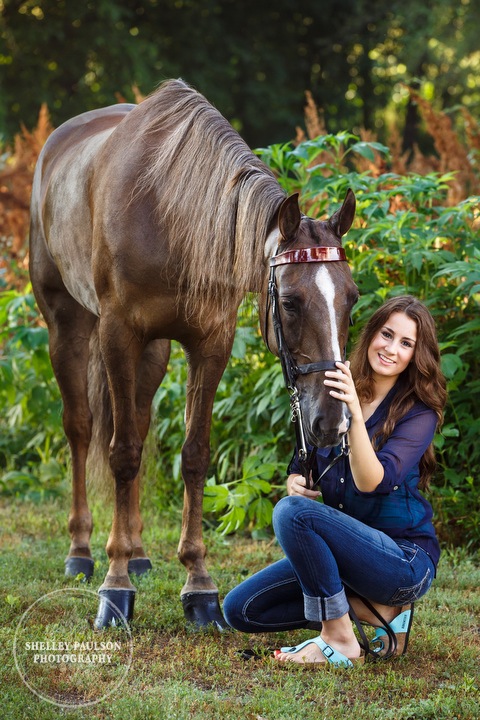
(296, 485)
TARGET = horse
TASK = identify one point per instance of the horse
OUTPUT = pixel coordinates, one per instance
(151, 223)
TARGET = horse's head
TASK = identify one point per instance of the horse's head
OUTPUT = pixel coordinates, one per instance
(311, 293)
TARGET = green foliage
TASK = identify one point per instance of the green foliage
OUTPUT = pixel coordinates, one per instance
(32, 444)
(404, 240)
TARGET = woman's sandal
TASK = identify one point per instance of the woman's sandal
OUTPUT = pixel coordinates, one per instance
(401, 627)
(332, 656)
(390, 638)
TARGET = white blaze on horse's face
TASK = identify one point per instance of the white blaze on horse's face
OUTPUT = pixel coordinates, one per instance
(326, 288)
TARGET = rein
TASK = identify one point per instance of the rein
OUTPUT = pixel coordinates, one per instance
(291, 370)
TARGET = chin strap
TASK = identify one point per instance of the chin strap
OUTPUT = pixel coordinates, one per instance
(344, 452)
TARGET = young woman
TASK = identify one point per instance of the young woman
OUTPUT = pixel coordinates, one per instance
(372, 537)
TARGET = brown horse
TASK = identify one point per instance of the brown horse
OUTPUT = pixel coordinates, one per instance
(151, 222)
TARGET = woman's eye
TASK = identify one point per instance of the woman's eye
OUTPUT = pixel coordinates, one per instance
(386, 334)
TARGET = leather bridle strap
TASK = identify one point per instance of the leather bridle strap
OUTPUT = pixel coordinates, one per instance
(291, 370)
(305, 255)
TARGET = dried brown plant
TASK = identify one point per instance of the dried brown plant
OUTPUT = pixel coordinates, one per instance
(472, 129)
(315, 127)
(453, 155)
(16, 175)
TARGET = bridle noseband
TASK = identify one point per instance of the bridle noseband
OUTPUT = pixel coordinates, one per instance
(291, 369)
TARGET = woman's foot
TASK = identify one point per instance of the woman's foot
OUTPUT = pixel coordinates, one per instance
(310, 652)
(337, 637)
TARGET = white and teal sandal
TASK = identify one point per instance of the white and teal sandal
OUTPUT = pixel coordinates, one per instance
(400, 626)
(390, 639)
(332, 656)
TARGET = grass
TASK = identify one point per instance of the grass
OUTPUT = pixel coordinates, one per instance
(177, 673)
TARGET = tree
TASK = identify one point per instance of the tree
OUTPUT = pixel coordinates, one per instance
(253, 60)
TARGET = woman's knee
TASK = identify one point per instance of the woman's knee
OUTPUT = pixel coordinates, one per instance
(232, 610)
(288, 509)
(285, 510)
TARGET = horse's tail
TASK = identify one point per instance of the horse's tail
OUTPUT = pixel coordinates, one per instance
(98, 469)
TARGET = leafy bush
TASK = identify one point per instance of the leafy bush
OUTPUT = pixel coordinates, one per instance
(405, 239)
(33, 453)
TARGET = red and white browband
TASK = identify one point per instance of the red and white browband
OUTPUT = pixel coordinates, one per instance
(313, 254)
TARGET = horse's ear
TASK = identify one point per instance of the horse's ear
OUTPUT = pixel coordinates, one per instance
(289, 218)
(341, 221)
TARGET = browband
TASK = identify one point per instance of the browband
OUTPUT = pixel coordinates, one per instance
(313, 254)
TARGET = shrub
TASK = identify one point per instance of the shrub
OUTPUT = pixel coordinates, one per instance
(405, 239)
(33, 451)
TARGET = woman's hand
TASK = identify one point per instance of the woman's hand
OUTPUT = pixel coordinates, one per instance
(296, 485)
(366, 468)
(343, 387)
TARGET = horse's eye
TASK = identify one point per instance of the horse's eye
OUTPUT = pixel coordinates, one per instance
(288, 305)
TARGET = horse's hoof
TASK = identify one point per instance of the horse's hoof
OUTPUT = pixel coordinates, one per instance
(139, 566)
(115, 608)
(203, 609)
(76, 565)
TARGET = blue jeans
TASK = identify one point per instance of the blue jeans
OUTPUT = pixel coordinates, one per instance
(327, 552)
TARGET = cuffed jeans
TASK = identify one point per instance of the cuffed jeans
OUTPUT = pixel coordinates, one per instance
(327, 552)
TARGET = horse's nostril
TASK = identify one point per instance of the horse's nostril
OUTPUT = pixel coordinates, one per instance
(327, 432)
(344, 425)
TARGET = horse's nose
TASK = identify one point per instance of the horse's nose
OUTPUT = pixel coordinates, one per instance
(324, 436)
(328, 434)
(345, 423)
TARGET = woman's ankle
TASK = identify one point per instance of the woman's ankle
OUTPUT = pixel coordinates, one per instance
(339, 634)
(364, 614)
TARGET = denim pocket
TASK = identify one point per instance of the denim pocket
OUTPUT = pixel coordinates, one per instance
(409, 594)
(410, 551)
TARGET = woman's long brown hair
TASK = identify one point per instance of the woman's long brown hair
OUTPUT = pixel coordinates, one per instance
(421, 380)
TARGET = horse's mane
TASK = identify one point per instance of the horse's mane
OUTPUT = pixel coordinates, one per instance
(214, 197)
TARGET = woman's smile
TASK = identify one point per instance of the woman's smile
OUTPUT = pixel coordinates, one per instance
(385, 360)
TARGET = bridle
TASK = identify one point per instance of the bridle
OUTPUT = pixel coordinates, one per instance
(291, 369)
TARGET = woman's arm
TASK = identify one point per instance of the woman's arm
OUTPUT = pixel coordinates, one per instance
(366, 469)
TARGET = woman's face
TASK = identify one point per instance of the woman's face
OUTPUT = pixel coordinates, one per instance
(393, 347)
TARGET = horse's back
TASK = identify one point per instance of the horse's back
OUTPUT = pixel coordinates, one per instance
(87, 129)
(61, 224)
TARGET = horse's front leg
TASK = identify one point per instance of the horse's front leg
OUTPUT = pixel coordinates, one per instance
(199, 594)
(121, 352)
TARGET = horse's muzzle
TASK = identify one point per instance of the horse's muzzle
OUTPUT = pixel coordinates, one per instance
(322, 433)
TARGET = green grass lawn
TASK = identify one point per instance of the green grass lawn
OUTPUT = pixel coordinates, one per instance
(178, 673)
